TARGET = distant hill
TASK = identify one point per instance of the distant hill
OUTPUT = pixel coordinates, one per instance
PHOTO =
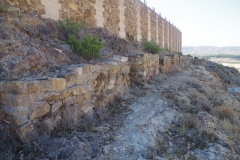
(210, 50)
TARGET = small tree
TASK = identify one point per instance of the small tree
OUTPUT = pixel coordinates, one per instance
(71, 27)
(90, 47)
(151, 47)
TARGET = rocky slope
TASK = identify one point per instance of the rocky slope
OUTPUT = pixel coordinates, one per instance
(31, 47)
(184, 114)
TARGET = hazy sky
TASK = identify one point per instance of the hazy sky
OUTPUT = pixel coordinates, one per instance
(203, 22)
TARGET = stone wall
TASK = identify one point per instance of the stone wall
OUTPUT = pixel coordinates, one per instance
(131, 19)
(111, 16)
(74, 91)
(160, 31)
(168, 62)
(68, 96)
(144, 66)
(153, 24)
(144, 21)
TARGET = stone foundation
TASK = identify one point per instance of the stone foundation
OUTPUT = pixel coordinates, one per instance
(144, 66)
(24, 104)
(74, 92)
(167, 62)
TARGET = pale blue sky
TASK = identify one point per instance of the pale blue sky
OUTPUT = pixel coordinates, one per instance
(203, 22)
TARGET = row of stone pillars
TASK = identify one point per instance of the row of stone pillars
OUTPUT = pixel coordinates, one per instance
(171, 37)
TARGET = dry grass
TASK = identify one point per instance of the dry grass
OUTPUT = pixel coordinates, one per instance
(225, 112)
(231, 127)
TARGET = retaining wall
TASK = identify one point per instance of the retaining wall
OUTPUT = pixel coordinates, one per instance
(131, 19)
(68, 96)
(74, 92)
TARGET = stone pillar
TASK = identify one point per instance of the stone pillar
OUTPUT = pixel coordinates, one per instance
(174, 39)
(52, 8)
(180, 40)
(139, 37)
(168, 35)
(163, 32)
(157, 28)
(149, 25)
(98, 6)
(121, 8)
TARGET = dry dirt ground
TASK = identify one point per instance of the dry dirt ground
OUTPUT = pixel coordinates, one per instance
(185, 114)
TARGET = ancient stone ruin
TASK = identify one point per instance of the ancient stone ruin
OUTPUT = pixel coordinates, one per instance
(130, 19)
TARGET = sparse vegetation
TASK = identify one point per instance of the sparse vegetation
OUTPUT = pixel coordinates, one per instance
(231, 127)
(180, 53)
(89, 47)
(225, 112)
(71, 27)
(220, 66)
(3, 9)
(151, 47)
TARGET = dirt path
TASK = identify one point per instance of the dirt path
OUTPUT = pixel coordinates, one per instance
(139, 132)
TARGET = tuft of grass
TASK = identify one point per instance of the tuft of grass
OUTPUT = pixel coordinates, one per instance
(180, 53)
(231, 127)
(225, 112)
(220, 66)
(71, 27)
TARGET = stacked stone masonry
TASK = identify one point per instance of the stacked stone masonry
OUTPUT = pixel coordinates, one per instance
(131, 19)
(26, 104)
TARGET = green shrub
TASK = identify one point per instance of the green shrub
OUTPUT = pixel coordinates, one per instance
(73, 42)
(71, 27)
(220, 66)
(89, 47)
(3, 9)
(180, 53)
(151, 47)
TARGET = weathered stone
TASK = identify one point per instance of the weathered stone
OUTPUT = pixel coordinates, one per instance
(68, 101)
(1, 87)
(79, 100)
(39, 109)
(72, 113)
(52, 96)
(45, 85)
(71, 79)
(19, 121)
(16, 87)
(66, 93)
(33, 86)
(87, 96)
(79, 71)
(58, 83)
(73, 6)
(87, 109)
(120, 58)
(17, 111)
(51, 122)
(94, 68)
(23, 132)
(84, 78)
(85, 69)
(114, 69)
(56, 106)
(15, 100)
(125, 70)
